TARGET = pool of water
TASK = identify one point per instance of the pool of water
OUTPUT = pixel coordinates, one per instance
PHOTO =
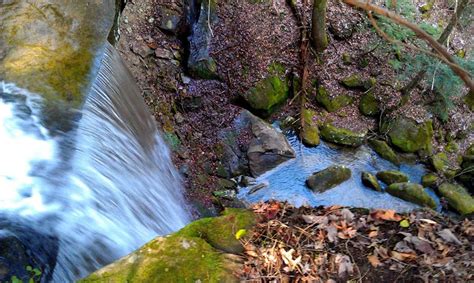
(287, 181)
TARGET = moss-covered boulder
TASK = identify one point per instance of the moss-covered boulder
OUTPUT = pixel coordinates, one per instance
(384, 150)
(332, 104)
(457, 197)
(469, 99)
(196, 253)
(411, 192)
(310, 134)
(368, 105)
(328, 178)
(429, 180)
(370, 181)
(442, 165)
(466, 176)
(409, 136)
(356, 81)
(392, 176)
(342, 136)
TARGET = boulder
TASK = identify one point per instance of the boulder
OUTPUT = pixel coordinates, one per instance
(411, 192)
(429, 180)
(469, 99)
(332, 104)
(409, 136)
(200, 252)
(170, 20)
(384, 150)
(328, 178)
(342, 136)
(310, 134)
(357, 82)
(392, 176)
(370, 181)
(442, 165)
(467, 166)
(457, 197)
(368, 105)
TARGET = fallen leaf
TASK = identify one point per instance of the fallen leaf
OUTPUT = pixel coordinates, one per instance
(240, 233)
(449, 237)
(332, 233)
(287, 257)
(388, 215)
(404, 223)
(314, 219)
(403, 247)
(347, 215)
(403, 256)
(374, 260)
(345, 267)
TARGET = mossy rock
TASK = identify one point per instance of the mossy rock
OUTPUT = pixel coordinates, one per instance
(429, 180)
(452, 147)
(192, 254)
(370, 181)
(332, 104)
(369, 106)
(410, 137)
(411, 192)
(470, 150)
(357, 82)
(469, 99)
(342, 136)
(204, 69)
(442, 165)
(392, 176)
(384, 150)
(328, 178)
(457, 197)
(467, 174)
(310, 134)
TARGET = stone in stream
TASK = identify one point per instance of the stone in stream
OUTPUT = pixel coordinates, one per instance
(342, 136)
(392, 176)
(370, 181)
(429, 180)
(458, 198)
(410, 136)
(411, 192)
(384, 150)
(310, 132)
(328, 178)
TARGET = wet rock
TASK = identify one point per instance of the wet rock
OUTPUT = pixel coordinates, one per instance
(310, 134)
(246, 181)
(370, 181)
(328, 178)
(226, 184)
(225, 194)
(409, 136)
(457, 197)
(256, 188)
(429, 180)
(342, 136)
(442, 165)
(411, 192)
(332, 104)
(357, 82)
(170, 20)
(392, 176)
(369, 106)
(384, 150)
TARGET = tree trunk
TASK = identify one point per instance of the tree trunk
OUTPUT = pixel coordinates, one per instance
(318, 28)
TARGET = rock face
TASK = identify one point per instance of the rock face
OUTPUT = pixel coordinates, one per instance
(310, 134)
(342, 136)
(370, 181)
(392, 176)
(457, 197)
(332, 104)
(408, 136)
(369, 106)
(328, 178)
(384, 150)
(412, 193)
(197, 253)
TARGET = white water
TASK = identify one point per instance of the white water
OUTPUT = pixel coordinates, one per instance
(102, 190)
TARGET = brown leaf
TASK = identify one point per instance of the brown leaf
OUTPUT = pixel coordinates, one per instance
(373, 234)
(403, 256)
(345, 267)
(311, 219)
(449, 237)
(332, 233)
(382, 252)
(388, 215)
(374, 260)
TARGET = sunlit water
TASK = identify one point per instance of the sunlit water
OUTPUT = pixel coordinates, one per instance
(287, 181)
(100, 191)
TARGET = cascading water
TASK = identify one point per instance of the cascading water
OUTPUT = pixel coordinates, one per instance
(95, 193)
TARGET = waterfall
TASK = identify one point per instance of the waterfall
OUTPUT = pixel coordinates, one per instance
(95, 193)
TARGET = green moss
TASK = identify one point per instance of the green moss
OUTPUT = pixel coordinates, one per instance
(204, 69)
(452, 147)
(342, 136)
(346, 58)
(457, 197)
(332, 104)
(442, 165)
(384, 150)
(409, 136)
(328, 178)
(412, 193)
(310, 133)
(369, 106)
(356, 81)
(429, 180)
(370, 181)
(392, 176)
(469, 99)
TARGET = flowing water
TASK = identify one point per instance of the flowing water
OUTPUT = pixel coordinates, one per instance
(97, 192)
(287, 181)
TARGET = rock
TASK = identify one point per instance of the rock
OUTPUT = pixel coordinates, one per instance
(170, 20)
(342, 136)
(190, 103)
(457, 197)
(225, 194)
(328, 178)
(288, 123)
(178, 117)
(392, 176)
(141, 48)
(408, 136)
(469, 99)
(310, 134)
(342, 28)
(225, 184)
(452, 147)
(332, 104)
(246, 181)
(269, 92)
(467, 165)
(369, 106)
(163, 53)
(256, 188)
(346, 58)
(370, 181)
(357, 82)
(197, 253)
(442, 165)
(429, 180)
(412, 193)
(384, 150)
